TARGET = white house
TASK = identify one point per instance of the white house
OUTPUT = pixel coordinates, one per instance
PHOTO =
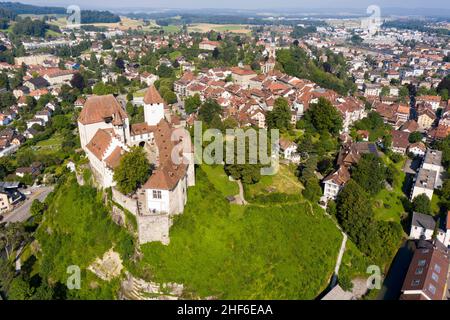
(424, 183)
(424, 226)
(334, 182)
(288, 151)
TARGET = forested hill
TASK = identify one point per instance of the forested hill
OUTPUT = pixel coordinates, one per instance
(9, 10)
(21, 8)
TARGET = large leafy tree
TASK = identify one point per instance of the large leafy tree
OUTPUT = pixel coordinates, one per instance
(209, 110)
(280, 116)
(354, 213)
(133, 170)
(324, 116)
(422, 204)
(370, 173)
(11, 237)
(192, 103)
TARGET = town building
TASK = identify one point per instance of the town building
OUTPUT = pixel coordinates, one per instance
(106, 135)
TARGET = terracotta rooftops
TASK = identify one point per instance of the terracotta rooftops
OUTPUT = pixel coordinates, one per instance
(141, 128)
(113, 159)
(152, 96)
(242, 72)
(339, 177)
(100, 109)
(100, 143)
(168, 174)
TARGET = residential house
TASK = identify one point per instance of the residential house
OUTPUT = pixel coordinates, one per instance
(427, 274)
(288, 150)
(334, 182)
(400, 141)
(423, 226)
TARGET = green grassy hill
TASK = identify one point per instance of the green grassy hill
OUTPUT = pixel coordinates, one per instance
(276, 252)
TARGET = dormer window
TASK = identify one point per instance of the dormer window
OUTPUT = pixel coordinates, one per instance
(108, 119)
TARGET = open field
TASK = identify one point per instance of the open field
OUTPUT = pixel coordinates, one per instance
(124, 24)
(205, 27)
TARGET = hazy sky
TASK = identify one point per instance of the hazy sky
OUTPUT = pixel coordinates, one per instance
(243, 4)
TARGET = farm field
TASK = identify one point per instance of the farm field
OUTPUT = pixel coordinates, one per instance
(205, 27)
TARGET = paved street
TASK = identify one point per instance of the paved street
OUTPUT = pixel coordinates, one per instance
(22, 212)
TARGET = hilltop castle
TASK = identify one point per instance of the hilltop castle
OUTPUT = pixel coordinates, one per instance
(106, 135)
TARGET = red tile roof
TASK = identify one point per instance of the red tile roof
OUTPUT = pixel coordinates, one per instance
(98, 108)
(152, 96)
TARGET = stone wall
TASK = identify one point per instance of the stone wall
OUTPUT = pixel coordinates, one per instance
(154, 228)
(126, 202)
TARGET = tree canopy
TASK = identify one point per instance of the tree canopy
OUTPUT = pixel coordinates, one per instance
(323, 116)
(133, 170)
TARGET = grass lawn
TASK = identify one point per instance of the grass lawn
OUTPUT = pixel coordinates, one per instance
(220, 180)
(171, 28)
(52, 33)
(387, 203)
(284, 181)
(278, 252)
(174, 55)
(52, 144)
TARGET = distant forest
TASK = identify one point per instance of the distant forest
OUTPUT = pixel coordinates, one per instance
(418, 25)
(10, 10)
(164, 19)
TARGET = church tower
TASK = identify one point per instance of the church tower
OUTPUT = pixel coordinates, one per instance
(153, 106)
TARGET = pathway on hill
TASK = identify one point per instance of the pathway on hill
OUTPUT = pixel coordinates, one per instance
(241, 193)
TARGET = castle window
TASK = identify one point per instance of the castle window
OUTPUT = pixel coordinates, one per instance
(157, 194)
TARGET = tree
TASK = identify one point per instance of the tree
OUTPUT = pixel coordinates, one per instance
(107, 44)
(20, 289)
(78, 81)
(11, 237)
(422, 204)
(384, 91)
(216, 53)
(415, 137)
(120, 64)
(370, 173)
(170, 97)
(403, 93)
(192, 103)
(356, 39)
(165, 71)
(323, 116)
(280, 116)
(37, 208)
(208, 110)
(133, 170)
(312, 189)
(354, 213)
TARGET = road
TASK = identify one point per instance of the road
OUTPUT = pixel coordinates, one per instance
(22, 212)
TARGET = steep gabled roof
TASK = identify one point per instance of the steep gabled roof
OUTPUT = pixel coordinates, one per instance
(152, 96)
(99, 143)
(98, 108)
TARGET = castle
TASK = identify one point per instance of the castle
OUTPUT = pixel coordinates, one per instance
(106, 135)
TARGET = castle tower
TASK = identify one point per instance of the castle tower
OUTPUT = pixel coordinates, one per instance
(153, 106)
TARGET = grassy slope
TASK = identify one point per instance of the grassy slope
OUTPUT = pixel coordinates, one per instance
(284, 181)
(278, 252)
(77, 229)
